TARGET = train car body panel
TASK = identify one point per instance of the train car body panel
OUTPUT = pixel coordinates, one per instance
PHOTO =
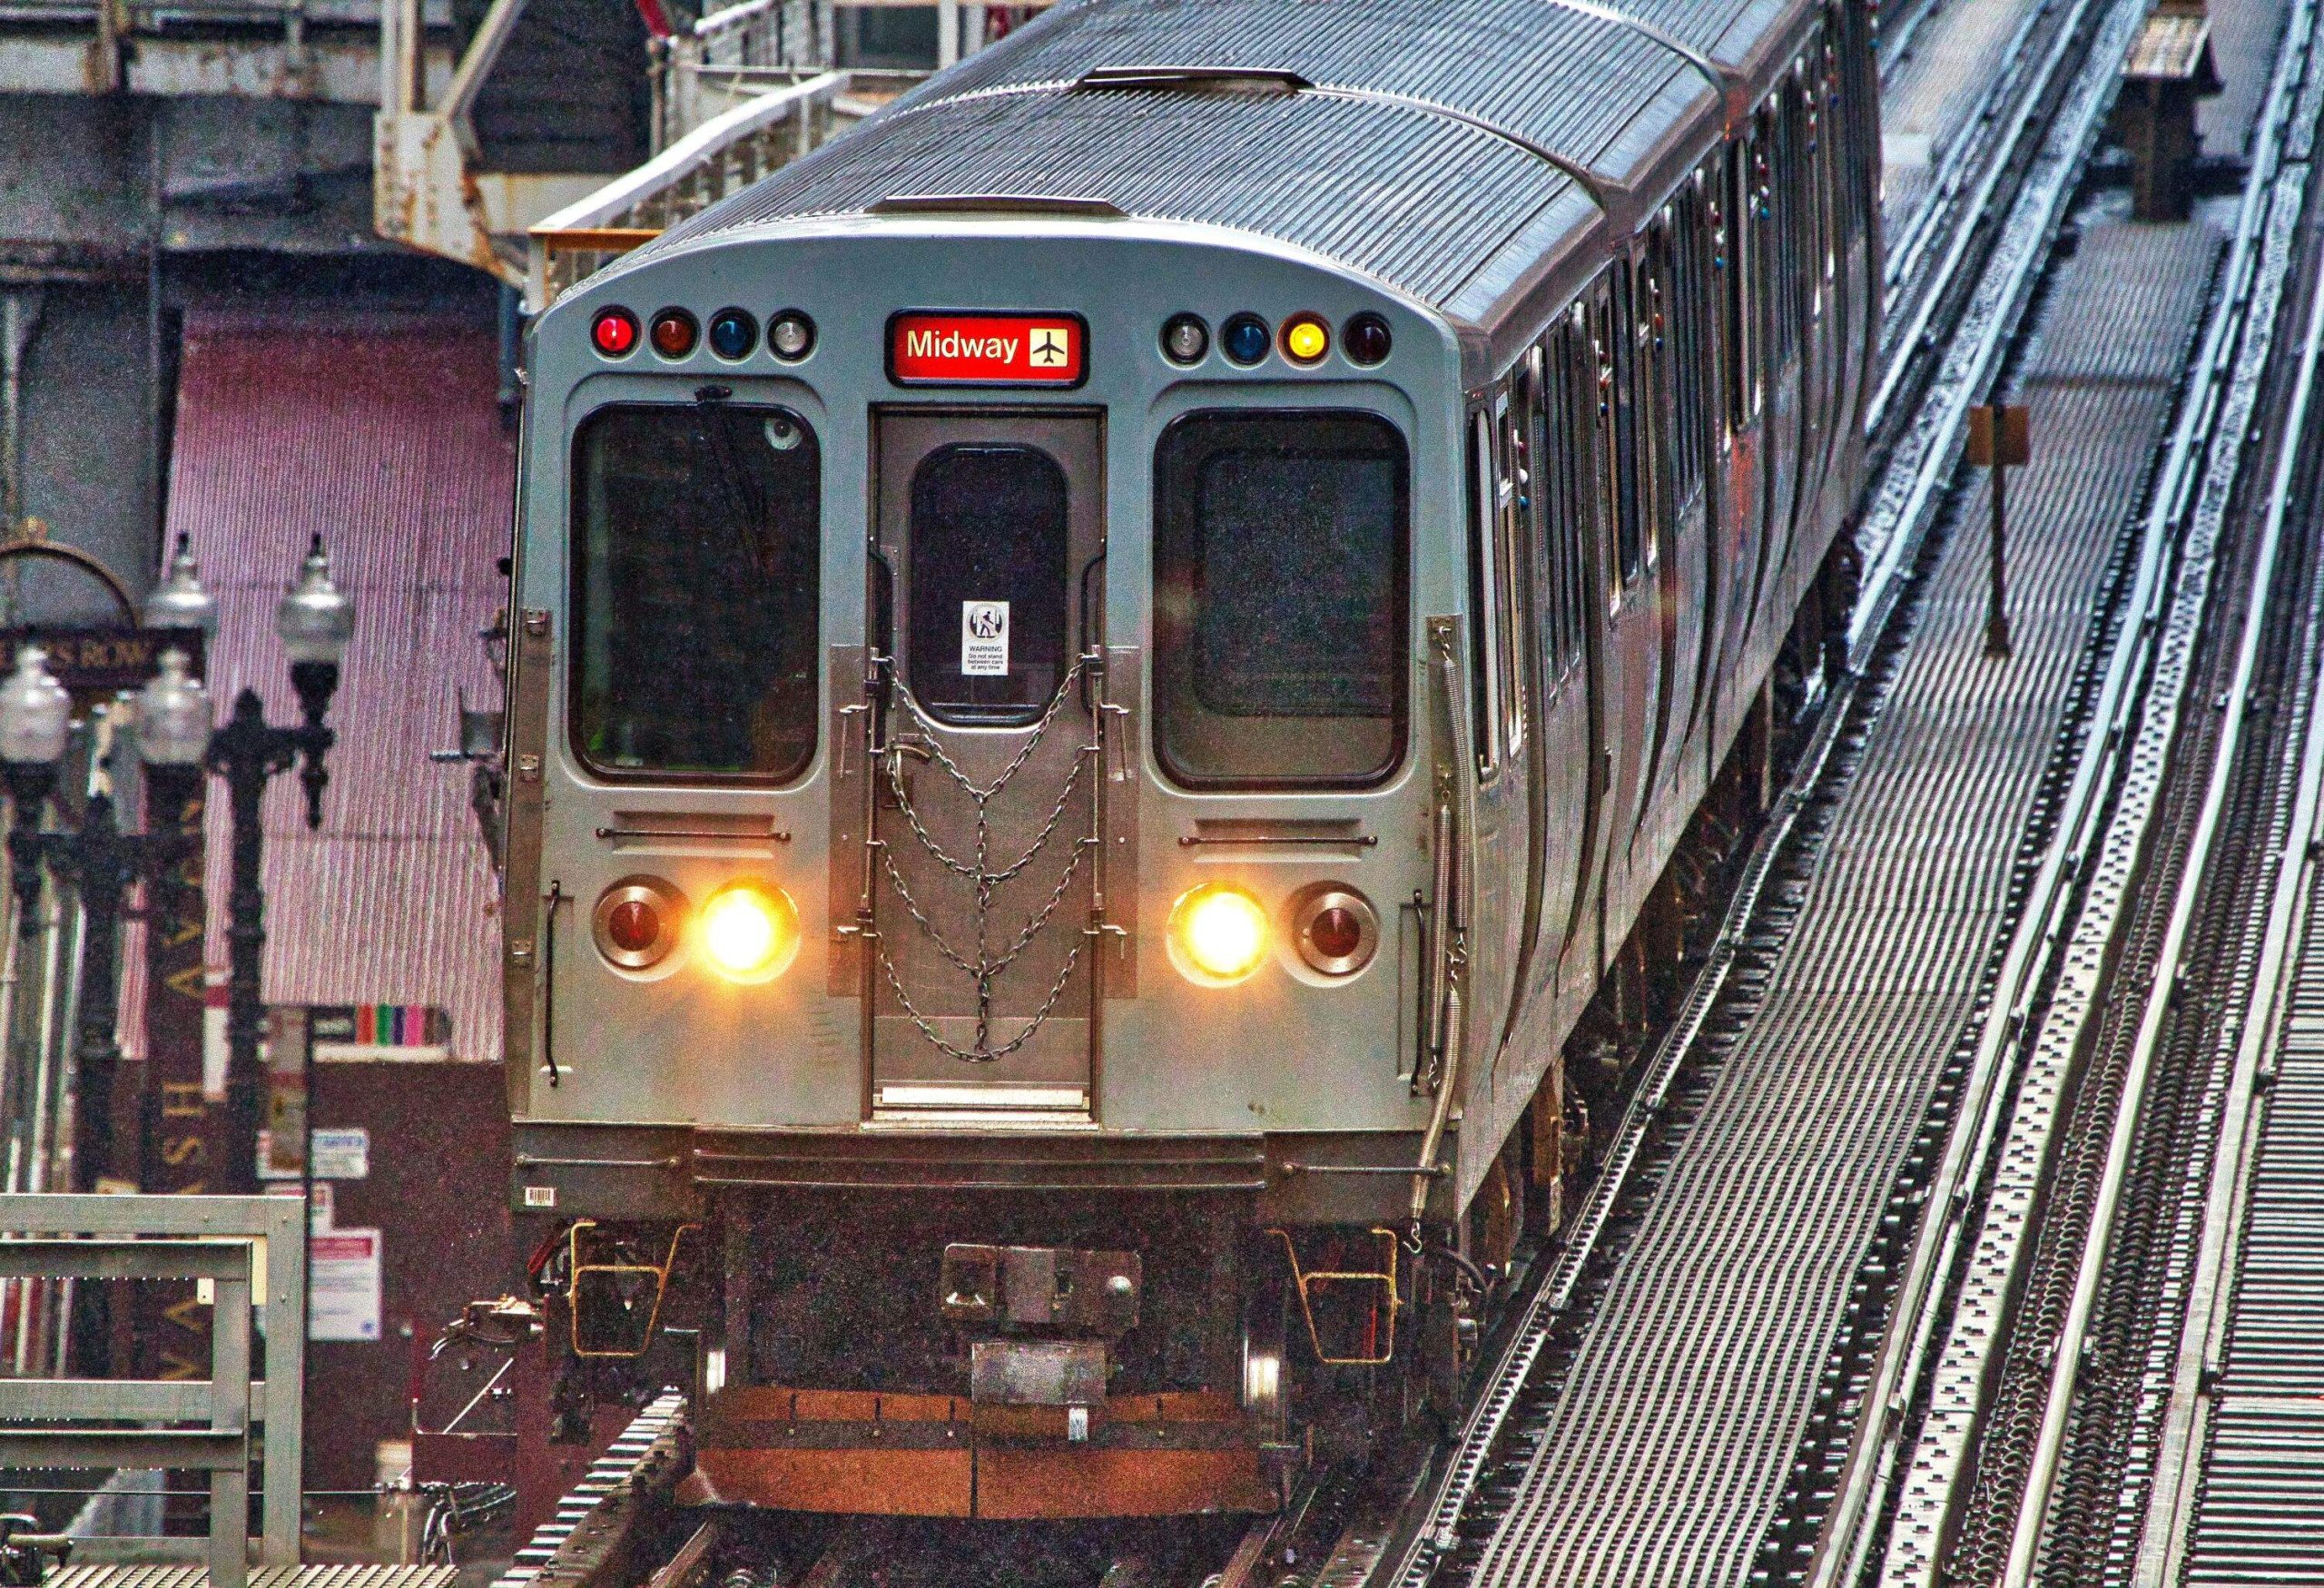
(890, 704)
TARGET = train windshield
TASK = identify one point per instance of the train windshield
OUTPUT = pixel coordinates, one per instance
(697, 561)
(1280, 598)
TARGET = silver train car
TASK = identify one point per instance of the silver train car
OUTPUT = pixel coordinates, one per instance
(1101, 669)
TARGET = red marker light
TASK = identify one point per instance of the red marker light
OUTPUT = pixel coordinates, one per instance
(635, 922)
(632, 926)
(614, 333)
(675, 333)
(1335, 931)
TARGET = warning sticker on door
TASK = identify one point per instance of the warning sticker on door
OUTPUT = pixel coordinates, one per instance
(984, 638)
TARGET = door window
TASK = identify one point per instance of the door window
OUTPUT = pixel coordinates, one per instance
(987, 639)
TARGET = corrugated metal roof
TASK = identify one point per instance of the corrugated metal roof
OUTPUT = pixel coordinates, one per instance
(1564, 79)
(384, 435)
(1362, 183)
(1443, 181)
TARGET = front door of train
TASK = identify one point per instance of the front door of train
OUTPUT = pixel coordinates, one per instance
(984, 727)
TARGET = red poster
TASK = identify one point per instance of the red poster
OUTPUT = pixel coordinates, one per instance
(986, 349)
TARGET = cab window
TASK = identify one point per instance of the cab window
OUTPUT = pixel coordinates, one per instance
(697, 588)
(1281, 605)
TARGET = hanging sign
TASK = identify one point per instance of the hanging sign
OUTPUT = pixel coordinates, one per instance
(96, 663)
(986, 349)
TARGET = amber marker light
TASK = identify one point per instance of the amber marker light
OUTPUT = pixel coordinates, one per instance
(1218, 934)
(1307, 339)
(749, 932)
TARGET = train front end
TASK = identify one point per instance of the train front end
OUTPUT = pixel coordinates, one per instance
(975, 842)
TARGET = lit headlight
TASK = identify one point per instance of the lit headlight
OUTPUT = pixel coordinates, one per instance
(750, 931)
(1218, 934)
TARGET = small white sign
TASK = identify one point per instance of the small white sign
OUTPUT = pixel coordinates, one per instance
(343, 1286)
(341, 1154)
(984, 638)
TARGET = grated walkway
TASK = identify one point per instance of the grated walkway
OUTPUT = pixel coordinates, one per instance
(1925, 106)
(2259, 1514)
(1673, 1439)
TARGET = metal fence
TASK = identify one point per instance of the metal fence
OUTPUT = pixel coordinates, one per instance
(249, 1250)
(727, 154)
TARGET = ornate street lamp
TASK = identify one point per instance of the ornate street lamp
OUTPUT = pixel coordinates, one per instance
(315, 622)
(101, 862)
(177, 740)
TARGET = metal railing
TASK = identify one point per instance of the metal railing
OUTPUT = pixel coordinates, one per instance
(725, 154)
(249, 1249)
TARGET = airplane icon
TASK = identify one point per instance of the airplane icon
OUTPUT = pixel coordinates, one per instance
(1048, 348)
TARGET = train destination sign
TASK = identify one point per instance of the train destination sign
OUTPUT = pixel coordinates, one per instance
(986, 349)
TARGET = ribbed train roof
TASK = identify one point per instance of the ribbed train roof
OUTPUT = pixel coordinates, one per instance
(1406, 186)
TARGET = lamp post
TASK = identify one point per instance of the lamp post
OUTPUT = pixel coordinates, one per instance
(101, 862)
(177, 741)
(315, 622)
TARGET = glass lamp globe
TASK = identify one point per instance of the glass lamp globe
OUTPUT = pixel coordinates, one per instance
(179, 601)
(35, 713)
(316, 619)
(173, 716)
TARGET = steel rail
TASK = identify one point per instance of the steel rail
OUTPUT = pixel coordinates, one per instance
(1894, 40)
(2204, 456)
(1903, 252)
(2026, 1541)
(1553, 1299)
(2202, 1333)
(1969, 367)
(2004, 291)
(1915, 327)
(1889, 534)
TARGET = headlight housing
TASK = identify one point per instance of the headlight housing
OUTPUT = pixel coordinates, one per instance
(1334, 929)
(748, 931)
(1218, 934)
(638, 922)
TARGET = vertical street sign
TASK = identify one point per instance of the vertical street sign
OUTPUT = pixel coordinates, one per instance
(2000, 440)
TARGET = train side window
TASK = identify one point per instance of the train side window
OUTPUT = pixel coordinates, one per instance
(1798, 183)
(1699, 379)
(1281, 598)
(1682, 337)
(1736, 243)
(1484, 587)
(1568, 380)
(1653, 397)
(1831, 146)
(1629, 467)
(697, 556)
(1558, 433)
(1605, 468)
(1773, 281)
(1511, 597)
(1538, 488)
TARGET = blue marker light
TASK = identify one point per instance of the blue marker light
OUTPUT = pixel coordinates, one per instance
(1245, 339)
(732, 334)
